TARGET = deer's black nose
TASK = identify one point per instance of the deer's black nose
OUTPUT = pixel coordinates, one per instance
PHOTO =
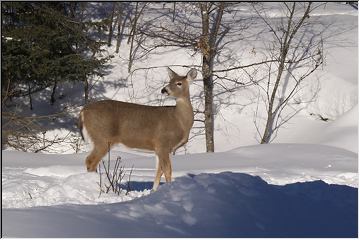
(164, 91)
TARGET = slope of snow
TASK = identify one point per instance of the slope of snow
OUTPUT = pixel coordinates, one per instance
(206, 205)
(342, 133)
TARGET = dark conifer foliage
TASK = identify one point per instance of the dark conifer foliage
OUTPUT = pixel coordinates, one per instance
(44, 43)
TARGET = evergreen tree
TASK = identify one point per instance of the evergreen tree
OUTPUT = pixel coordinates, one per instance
(44, 43)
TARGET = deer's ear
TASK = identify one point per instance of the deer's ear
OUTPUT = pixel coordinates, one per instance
(191, 75)
(171, 73)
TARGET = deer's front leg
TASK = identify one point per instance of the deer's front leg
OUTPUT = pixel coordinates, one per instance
(166, 166)
(158, 175)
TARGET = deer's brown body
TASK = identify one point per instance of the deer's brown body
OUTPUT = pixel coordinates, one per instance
(158, 129)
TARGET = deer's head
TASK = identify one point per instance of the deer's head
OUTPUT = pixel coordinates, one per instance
(179, 85)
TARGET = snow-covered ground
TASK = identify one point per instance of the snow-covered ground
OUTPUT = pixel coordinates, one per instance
(242, 190)
(205, 205)
(198, 203)
(42, 180)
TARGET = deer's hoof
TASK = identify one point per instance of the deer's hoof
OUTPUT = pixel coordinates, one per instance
(90, 169)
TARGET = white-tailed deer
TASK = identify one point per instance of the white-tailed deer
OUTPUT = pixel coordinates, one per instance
(161, 129)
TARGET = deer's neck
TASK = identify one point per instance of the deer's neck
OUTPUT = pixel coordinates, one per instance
(184, 112)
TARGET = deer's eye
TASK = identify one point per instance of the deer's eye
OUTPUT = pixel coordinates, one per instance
(179, 83)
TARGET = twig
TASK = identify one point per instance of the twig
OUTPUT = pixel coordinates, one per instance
(128, 189)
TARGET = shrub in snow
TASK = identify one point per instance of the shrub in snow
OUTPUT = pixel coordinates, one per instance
(113, 177)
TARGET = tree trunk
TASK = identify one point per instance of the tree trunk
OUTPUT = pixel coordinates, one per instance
(284, 49)
(270, 114)
(52, 98)
(30, 98)
(86, 90)
(121, 26)
(132, 37)
(174, 12)
(209, 115)
(208, 48)
(133, 22)
(268, 128)
(111, 25)
(207, 67)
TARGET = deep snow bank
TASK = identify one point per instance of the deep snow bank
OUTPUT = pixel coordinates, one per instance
(206, 205)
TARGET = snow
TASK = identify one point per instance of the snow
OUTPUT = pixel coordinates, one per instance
(58, 179)
(206, 205)
(226, 197)
(304, 184)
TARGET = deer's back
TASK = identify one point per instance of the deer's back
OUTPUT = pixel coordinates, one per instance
(134, 125)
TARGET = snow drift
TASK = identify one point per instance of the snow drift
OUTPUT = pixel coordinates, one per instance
(206, 205)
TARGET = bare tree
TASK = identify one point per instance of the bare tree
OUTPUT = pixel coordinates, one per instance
(208, 50)
(201, 28)
(121, 21)
(25, 133)
(293, 54)
(133, 32)
(111, 23)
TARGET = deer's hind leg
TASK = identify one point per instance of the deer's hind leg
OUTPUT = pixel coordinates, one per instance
(163, 166)
(165, 163)
(95, 156)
